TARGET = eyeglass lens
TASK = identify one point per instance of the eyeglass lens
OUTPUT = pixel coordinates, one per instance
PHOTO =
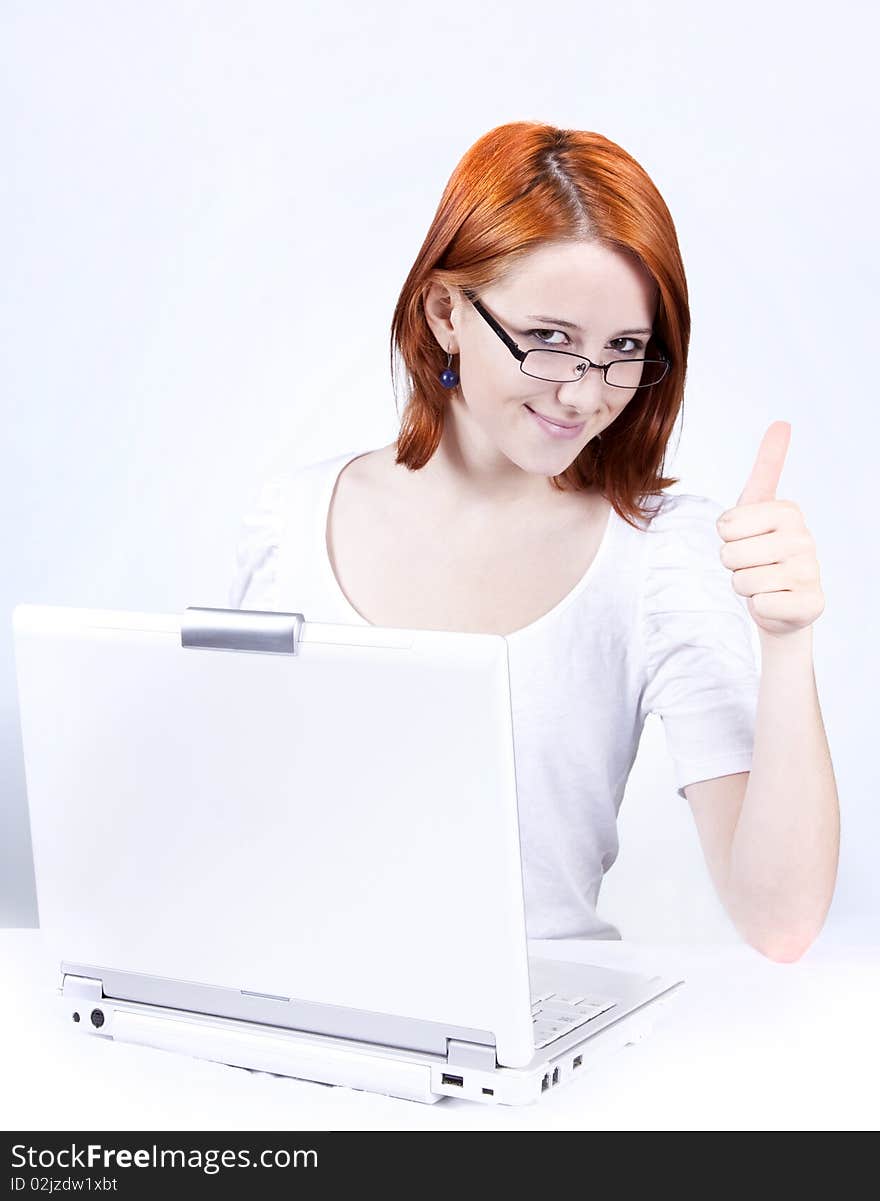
(560, 367)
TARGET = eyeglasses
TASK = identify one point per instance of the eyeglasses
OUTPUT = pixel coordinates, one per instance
(561, 366)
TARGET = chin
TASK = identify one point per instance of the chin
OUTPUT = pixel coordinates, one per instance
(548, 464)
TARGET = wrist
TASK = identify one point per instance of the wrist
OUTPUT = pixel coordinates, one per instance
(797, 643)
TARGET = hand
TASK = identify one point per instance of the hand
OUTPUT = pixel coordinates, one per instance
(768, 547)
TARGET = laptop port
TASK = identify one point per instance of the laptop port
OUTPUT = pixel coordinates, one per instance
(545, 1083)
(556, 1075)
(577, 1061)
(459, 1080)
(489, 1091)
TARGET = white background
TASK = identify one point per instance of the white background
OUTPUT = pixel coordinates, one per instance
(193, 194)
(745, 1044)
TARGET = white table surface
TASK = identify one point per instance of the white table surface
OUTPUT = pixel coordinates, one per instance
(747, 1044)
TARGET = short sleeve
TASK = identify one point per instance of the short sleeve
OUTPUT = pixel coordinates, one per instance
(702, 672)
(255, 576)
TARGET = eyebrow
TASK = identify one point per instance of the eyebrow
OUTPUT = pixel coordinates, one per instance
(571, 324)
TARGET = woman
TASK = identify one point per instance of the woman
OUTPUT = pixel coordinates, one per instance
(544, 328)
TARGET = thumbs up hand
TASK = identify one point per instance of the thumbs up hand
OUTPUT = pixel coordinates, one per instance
(769, 549)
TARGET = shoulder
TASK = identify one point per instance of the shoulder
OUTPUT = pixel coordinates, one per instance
(371, 484)
(284, 487)
(286, 501)
(376, 468)
(682, 561)
(682, 529)
(681, 510)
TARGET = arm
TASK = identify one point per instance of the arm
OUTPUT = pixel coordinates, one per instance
(771, 836)
(784, 854)
(782, 865)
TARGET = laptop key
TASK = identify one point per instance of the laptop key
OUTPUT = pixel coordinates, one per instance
(594, 1007)
(558, 1011)
(545, 1032)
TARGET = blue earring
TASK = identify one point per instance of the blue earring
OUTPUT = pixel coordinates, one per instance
(448, 377)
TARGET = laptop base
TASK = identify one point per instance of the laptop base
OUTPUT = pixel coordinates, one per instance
(407, 1074)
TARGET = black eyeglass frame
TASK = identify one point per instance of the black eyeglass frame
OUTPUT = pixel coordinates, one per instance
(522, 355)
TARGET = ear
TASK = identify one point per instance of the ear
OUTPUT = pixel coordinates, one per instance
(440, 302)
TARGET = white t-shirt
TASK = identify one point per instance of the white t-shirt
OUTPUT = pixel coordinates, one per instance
(654, 626)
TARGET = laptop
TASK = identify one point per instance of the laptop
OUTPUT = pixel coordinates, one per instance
(294, 847)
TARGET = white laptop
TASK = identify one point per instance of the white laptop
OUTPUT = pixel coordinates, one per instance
(294, 847)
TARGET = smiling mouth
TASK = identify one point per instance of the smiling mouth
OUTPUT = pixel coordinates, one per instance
(559, 424)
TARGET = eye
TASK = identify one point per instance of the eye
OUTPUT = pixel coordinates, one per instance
(536, 333)
(636, 345)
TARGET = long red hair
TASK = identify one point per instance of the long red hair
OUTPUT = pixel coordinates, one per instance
(519, 186)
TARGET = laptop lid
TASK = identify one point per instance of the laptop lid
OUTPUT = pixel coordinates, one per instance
(259, 807)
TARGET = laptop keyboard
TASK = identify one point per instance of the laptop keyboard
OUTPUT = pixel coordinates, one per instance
(554, 1014)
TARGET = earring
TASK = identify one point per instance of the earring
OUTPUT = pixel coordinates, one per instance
(448, 377)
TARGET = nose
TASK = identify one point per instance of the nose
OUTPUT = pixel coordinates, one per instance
(578, 387)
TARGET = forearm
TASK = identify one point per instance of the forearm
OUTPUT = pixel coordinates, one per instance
(784, 853)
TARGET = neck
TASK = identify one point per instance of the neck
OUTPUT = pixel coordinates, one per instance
(469, 471)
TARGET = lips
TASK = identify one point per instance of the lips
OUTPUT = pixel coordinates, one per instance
(559, 424)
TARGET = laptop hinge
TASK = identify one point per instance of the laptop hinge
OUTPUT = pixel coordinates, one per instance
(241, 630)
(83, 988)
(470, 1055)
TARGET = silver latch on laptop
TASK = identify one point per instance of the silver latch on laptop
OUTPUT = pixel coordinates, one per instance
(241, 630)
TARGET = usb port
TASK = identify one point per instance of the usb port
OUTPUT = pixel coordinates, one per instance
(459, 1080)
(577, 1061)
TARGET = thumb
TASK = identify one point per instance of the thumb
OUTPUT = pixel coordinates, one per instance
(767, 468)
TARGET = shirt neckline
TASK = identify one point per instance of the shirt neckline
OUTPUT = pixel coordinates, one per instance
(335, 468)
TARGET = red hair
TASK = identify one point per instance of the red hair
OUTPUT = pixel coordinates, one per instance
(519, 186)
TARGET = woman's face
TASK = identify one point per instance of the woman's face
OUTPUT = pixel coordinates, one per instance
(602, 293)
